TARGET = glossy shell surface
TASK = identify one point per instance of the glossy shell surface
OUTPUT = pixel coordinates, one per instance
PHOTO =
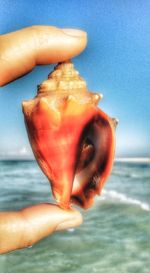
(72, 139)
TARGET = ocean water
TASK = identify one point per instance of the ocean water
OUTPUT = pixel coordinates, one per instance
(115, 235)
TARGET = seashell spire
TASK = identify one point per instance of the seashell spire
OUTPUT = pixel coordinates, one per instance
(64, 78)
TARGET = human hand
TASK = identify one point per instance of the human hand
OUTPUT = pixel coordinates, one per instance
(23, 228)
(20, 52)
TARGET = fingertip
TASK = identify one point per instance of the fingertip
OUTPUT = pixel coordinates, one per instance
(57, 45)
(74, 219)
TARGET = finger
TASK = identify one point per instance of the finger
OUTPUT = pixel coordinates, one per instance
(45, 219)
(20, 51)
(20, 229)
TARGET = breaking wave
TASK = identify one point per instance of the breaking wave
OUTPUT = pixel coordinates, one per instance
(112, 195)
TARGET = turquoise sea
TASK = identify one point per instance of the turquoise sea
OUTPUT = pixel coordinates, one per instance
(115, 235)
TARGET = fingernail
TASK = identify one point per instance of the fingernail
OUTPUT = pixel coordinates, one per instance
(74, 32)
(65, 225)
(70, 223)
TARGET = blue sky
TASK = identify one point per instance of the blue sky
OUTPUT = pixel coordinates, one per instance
(115, 63)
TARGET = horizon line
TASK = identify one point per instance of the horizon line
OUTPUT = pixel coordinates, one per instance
(117, 159)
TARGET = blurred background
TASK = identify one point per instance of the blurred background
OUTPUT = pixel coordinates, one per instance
(115, 235)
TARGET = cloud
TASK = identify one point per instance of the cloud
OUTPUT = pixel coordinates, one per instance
(20, 153)
(24, 151)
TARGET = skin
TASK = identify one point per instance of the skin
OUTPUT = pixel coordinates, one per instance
(20, 52)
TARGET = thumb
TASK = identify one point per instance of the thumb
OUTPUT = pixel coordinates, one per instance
(69, 219)
(19, 229)
(20, 51)
(44, 219)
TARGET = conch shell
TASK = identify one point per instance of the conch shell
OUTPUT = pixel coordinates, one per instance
(73, 141)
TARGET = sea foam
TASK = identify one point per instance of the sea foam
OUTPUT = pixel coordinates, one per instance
(113, 195)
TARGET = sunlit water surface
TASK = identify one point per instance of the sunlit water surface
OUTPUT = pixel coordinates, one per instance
(115, 235)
